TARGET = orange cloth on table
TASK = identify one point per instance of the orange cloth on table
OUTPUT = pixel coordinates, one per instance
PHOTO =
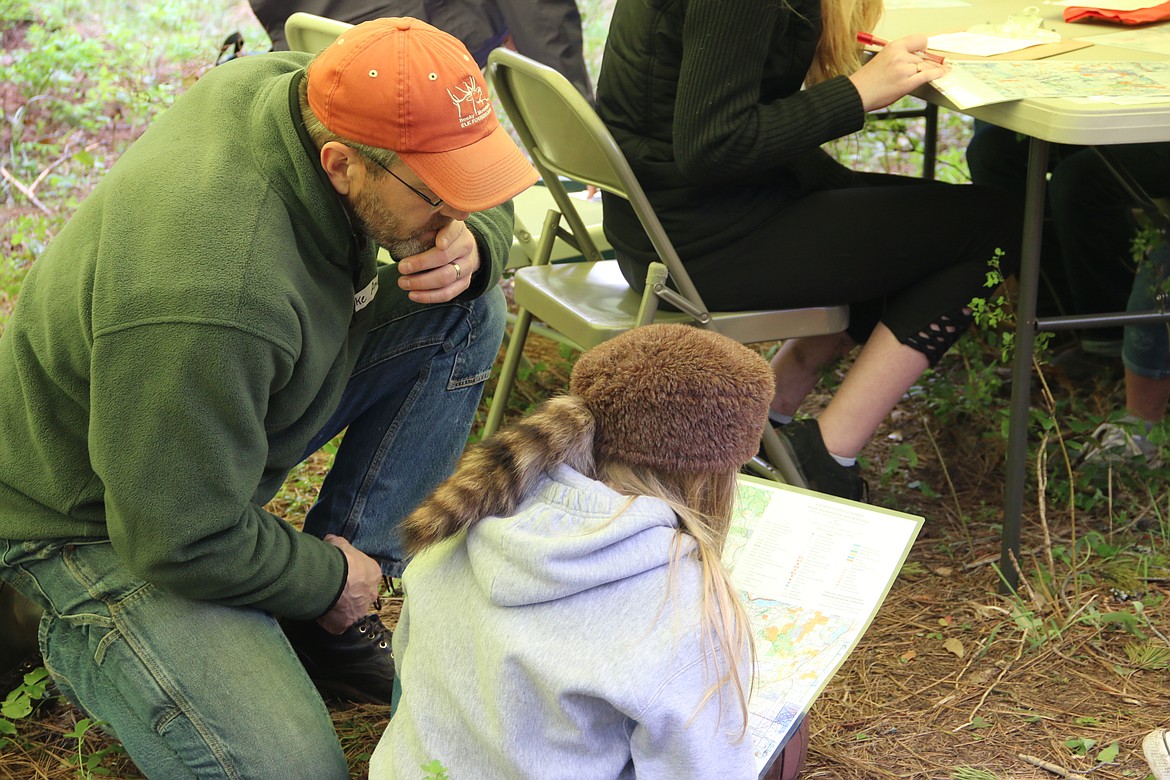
(1156, 13)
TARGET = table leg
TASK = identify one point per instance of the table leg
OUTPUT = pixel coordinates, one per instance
(930, 141)
(1017, 445)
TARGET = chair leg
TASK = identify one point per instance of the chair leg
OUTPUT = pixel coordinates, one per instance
(780, 459)
(510, 319)
(656, 275)
(764, 469)
(508, 372)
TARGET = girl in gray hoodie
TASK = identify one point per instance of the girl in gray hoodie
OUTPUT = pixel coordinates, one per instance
(567, 614)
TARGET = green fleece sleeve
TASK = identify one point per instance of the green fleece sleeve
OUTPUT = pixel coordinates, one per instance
(178, 437)
(493, 234)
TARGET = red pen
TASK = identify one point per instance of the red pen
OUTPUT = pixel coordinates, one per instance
(869, 39)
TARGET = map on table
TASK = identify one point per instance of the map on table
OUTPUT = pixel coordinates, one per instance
(970, 83)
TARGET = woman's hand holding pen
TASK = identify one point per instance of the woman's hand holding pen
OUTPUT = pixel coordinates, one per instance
(895, 71)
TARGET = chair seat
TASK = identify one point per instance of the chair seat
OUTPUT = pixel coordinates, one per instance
(531, 207)
(591, 302)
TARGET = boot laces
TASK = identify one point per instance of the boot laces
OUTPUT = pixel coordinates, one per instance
(372, 628)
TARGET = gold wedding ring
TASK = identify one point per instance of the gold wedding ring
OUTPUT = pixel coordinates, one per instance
(458, 271)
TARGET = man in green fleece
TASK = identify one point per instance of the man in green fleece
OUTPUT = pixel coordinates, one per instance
(213, 314)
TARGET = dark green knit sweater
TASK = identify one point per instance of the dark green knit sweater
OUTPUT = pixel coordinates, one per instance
(181, 340)
(705, 99)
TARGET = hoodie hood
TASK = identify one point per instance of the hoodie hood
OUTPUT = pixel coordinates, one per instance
(572, 534)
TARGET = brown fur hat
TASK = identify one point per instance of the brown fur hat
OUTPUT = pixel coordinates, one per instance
(675, 397)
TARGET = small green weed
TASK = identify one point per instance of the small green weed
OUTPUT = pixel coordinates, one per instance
(88, 765)
(1150, 656)
(21, 701)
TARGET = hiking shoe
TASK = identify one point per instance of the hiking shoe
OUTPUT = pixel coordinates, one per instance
(355, 665)
(1156, 746)
(1124, 441)
(802, 440)
(19, 619)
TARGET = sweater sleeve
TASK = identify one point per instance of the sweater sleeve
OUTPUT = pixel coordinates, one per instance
(724, 128)
(179, 442)
(493, 235)
(681, 736)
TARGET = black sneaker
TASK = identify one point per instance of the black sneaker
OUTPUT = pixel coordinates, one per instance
(802, 439)
(356, 665)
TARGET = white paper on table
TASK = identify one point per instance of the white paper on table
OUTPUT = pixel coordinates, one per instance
(1154, 39)
(979, 44)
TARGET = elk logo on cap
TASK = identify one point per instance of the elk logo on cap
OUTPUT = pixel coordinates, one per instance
(471, 102)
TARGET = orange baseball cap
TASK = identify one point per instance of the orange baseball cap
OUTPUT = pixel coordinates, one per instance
(403, 85)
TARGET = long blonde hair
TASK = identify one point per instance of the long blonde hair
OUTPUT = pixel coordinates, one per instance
(495, 475)
(838, 53)
(704, 504)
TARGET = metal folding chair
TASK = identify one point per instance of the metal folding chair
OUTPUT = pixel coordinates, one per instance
(311, 33)
(589, 302)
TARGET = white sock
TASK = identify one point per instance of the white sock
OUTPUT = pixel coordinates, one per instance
(846, 462)
(779, 419)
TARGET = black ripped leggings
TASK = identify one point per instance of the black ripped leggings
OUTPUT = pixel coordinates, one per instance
(900, 251)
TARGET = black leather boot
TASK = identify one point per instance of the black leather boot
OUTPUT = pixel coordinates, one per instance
(356, 665)
(19, 618)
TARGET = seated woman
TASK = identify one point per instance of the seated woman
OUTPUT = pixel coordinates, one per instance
(567, 614)
(706, 100)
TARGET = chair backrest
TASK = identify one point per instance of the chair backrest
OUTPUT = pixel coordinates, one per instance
(565, 137)
(311, 33)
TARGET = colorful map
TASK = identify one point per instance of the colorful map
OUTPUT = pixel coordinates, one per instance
(972, 83)
(812, 571)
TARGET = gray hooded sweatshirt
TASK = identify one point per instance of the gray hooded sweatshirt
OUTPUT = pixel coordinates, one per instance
(553, 644)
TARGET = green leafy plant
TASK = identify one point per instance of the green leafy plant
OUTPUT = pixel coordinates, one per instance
(22, 700)
(434, 770)
(88, 765)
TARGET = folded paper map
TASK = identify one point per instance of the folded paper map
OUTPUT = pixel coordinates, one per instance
(970, 83)
(813, 571)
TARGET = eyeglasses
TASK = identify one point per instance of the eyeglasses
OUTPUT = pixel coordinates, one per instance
(432, 203)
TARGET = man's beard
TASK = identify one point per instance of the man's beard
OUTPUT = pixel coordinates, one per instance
(382, 225)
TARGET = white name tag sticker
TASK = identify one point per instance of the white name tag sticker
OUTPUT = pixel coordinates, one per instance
(364, 297)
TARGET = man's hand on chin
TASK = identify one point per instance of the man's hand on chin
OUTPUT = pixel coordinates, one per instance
(444, 271)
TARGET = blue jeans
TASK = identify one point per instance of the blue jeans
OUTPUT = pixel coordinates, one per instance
(1146, 348)
(407, 411)
(192, 689)
(198, 689)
